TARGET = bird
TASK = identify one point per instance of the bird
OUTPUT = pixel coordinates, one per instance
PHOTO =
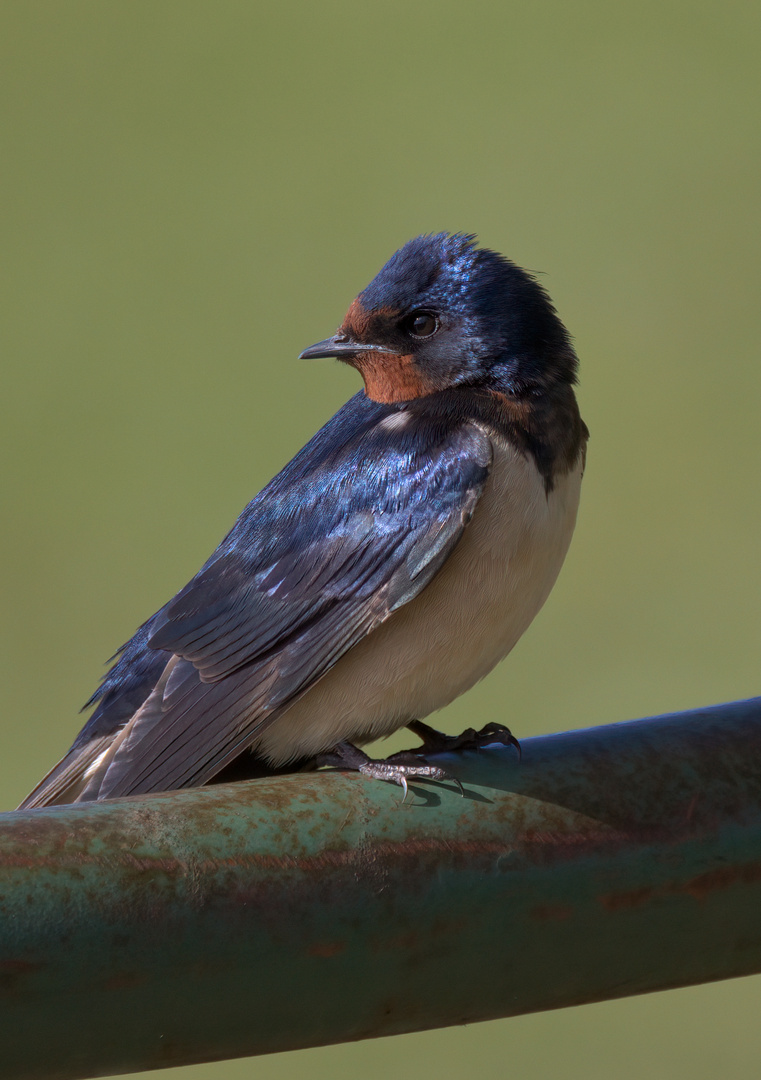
(389, 566)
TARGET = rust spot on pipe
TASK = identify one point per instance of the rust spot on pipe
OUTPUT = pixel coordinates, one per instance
(704, 884)
(551, 912)
(326, 949)
(12, 973)
(699, 887)
(407, 942)
(540, 846)
(632, 898)
(124, 980)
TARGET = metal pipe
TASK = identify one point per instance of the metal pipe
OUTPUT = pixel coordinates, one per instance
(319, 908)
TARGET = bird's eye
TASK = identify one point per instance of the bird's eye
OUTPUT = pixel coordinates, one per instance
(421, 323)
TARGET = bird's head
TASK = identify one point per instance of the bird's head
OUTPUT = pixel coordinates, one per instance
(442, 313)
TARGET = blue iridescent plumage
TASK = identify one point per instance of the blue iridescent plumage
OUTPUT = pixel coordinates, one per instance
(351, 530)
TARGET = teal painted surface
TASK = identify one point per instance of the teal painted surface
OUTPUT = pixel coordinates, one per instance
(311, 909)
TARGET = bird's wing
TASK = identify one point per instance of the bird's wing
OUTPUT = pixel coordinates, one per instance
(318, 560)
(68, 776)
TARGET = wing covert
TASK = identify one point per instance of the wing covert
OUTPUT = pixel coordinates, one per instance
(305, 575)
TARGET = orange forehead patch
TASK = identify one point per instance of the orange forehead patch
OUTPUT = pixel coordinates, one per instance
(360, 323)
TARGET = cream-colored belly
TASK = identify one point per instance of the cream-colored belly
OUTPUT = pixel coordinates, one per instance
(451, 635)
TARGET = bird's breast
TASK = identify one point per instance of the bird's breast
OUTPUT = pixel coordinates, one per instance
(462, 624)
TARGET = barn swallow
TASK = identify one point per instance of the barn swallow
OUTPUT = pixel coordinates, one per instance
(389, 566)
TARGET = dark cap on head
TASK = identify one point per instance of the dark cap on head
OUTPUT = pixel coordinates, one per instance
(455, 314)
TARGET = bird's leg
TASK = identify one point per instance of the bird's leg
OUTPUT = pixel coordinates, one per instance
(436, 742)
(397, 769)
(412, 764)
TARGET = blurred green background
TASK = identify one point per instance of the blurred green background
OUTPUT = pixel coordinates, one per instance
(193, 192)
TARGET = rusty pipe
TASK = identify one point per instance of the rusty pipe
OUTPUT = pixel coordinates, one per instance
(310, 909)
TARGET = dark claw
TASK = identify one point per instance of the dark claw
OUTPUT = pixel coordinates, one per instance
(435, 742)
(460, 788)
(498, 733)
(343, 756)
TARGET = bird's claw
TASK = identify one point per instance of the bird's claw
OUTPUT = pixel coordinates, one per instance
(435, 742)
(412, 764)
(397, 769)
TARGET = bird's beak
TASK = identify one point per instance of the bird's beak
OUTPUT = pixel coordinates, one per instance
(339, 345)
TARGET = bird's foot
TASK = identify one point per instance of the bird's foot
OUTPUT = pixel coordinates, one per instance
(435, 742)
(397, 769)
